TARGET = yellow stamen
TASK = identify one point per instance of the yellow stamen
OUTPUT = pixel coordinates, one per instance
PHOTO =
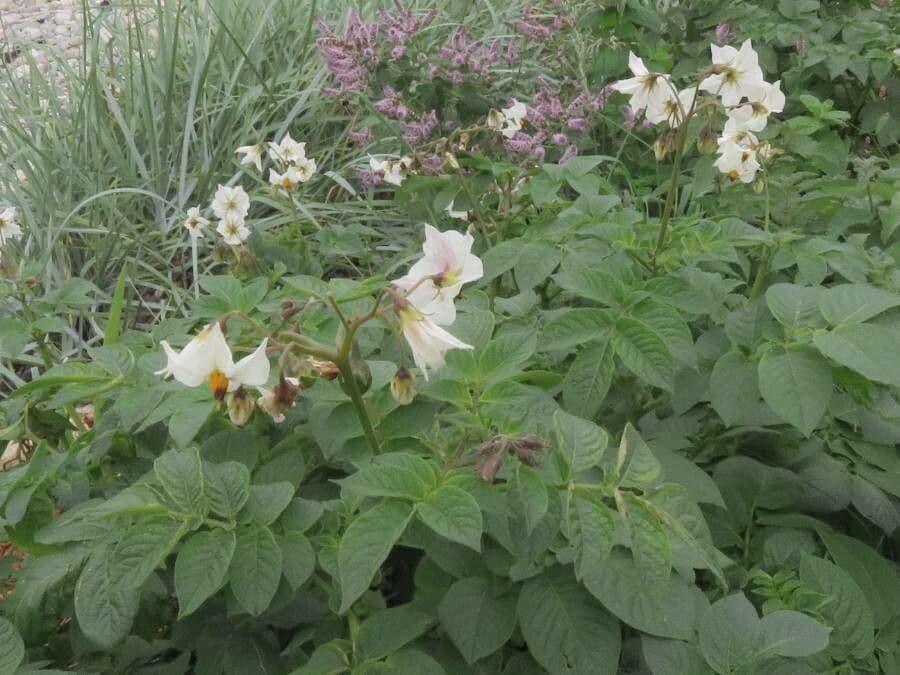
(734, 174)
(219, 384)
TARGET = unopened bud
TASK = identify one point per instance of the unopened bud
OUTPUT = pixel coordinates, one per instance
(759, 185)
(708, 140)
(403, 386)
(240, 407)
(326, 369)
(664, 144)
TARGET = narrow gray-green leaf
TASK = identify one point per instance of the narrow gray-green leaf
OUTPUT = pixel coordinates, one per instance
(255, 569)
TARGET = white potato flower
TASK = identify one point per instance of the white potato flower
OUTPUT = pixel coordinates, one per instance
(9, 228)
(195, 223)
(513, 117)
(207, 358)
(453, 213)
(647, 90)
(736, 74)
(231, 203)
(435, 280)
(754, 115)
(738, 162)
(252, 154)
(234, 231)
(428, 342)
(288, 151)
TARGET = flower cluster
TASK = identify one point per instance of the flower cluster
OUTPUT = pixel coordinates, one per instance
(230, 205)
(430, 289)
(736, 80)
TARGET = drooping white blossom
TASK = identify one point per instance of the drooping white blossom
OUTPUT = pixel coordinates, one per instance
(434, 281)
(9, 228)
(207, 358)
(513, 116)
(270, 403)
(392, 171)
(453, 213)
(428, 342)
(252, 154)
(195, 223)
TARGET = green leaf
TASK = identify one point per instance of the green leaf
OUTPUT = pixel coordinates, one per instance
(733, 387)
(649, 544)
(673, 657)
(365, 545)
(591, 283)
(566, 630)
(104, 610)
(597, 530)
(536, 261)
(729, 634)
(387, 630)
(855, 303)
(477, 621)
(575, 327)
(505, 354)
(396, 474)
(187, 421)
(181, 476)
(266, 502)
(532, 494)
(454, 514)
(876, 576)
(12, 649)
(141, 548)
(201, 567)
(301, 514)
(255, 569)
(588, 379)
(796, 383)
(644, 353)
(227, 487)
(869, 349)
(635, 463)
(299, 558)
(330, 658)
(792, 635)
(669, 325)
(114, 320)
(666, 609)
(793, 305)
(580, 443)
(847, 610)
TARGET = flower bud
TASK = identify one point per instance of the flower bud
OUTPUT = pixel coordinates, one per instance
(708, 140)
(403, 386)
(326, 369)
(240, 407)
(664, 144)
(288, 309)
(759, 185)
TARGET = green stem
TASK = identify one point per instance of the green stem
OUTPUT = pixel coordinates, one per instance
(358, 402)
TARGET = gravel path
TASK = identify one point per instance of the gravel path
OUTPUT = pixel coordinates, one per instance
(34, 25)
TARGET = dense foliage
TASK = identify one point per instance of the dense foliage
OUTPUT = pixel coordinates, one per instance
(632, 407)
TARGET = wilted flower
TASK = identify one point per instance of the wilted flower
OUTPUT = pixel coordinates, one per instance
(754, 115)
(9, 229)
(231, 202)
(252, 154)
(207, 358)
(195, 223)
(403, 386)
(278, 400)
(435, 280)
(240, 406)
(736, 74)
(427, 341)
(391, 171)
(288, 151)
(647, 90)
(233, 230)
